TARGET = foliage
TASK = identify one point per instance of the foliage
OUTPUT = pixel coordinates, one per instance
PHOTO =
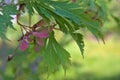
(5, 18)
(66, 16)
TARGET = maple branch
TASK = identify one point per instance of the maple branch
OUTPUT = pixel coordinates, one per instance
(17, 17)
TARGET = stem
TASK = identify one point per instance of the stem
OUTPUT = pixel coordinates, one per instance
(26, 28)
(29, 20)
(22, 31)
(10, 57)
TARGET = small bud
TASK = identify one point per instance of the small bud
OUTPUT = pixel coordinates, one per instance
(94, 18)
(86, 12)
(74, 0)
(10, 57)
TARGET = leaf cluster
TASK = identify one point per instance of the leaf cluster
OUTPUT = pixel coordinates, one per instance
(69, 17)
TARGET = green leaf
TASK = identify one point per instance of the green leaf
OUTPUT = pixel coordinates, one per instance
(93, 26)
(68, 15)
(29, 7)
(5, 19)
(92, 4)
(102, 9)
(79, 40)
(9, 10)
(97, 33)
(42, 11)
(55, 55)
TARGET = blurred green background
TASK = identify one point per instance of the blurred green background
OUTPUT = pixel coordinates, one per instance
(101, 62)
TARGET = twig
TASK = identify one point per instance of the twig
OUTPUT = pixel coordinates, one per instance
(10, 57)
